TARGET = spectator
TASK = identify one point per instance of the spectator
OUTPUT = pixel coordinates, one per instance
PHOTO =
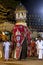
(33, 48)
(39, 44)
(6, 46)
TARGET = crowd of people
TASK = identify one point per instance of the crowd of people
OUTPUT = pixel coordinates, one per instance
(36, 48)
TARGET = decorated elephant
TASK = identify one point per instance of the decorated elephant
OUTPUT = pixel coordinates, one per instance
(21, 37)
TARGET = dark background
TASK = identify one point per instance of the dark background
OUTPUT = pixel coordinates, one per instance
(34, 8)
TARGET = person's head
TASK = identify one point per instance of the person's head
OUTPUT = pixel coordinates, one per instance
(39, 38)
(32, 39)
(6, 39)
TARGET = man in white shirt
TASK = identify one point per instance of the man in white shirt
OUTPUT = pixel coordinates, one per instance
(39, 44)
(6, 45)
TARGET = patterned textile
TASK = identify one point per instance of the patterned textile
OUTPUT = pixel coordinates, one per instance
(19, 34)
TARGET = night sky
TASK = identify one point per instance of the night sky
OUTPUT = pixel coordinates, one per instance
(33, 6)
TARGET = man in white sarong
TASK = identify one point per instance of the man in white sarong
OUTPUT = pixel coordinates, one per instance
(6, 45)
(39, 44)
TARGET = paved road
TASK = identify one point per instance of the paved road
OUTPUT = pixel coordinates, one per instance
(22, 62)
(29, 61)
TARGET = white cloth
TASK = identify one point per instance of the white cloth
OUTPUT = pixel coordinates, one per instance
(6, 49)
(39, 48)
(39, 44)
(40, 54)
